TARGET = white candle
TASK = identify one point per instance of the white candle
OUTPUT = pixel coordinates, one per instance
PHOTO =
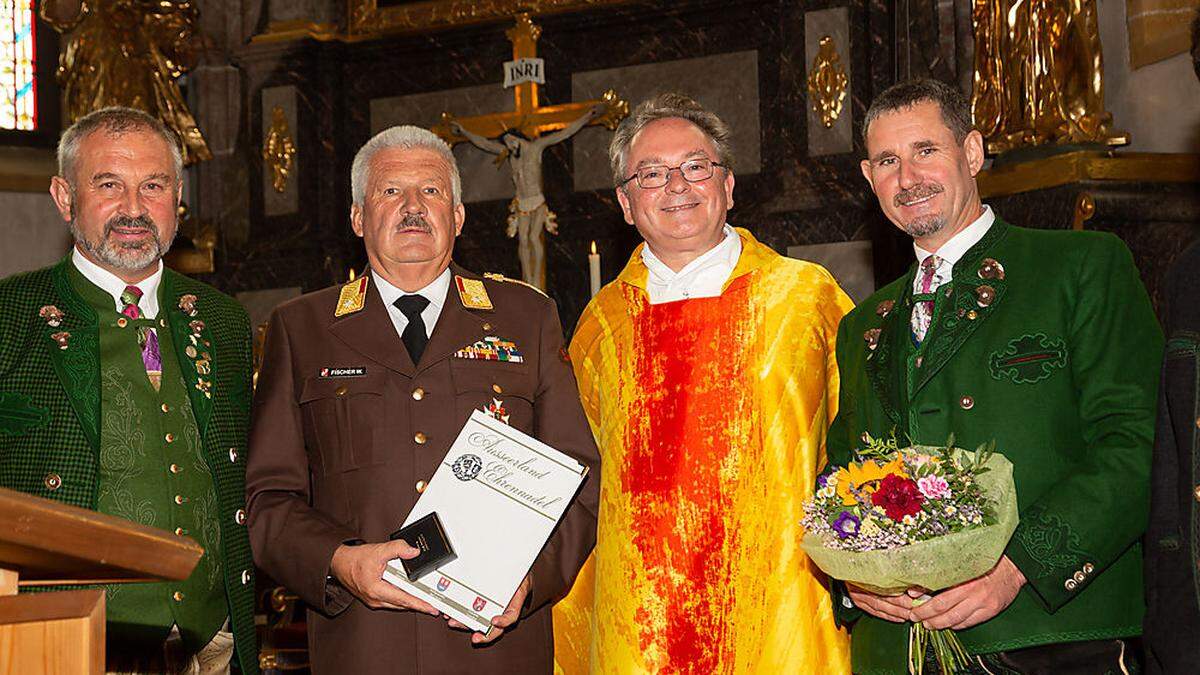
(594, 267)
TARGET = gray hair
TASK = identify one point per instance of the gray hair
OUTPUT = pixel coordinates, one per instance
(406, 137)
(955, 108)
(666, 106)
(114, 120)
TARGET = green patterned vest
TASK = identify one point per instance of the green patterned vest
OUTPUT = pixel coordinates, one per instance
(152, 472)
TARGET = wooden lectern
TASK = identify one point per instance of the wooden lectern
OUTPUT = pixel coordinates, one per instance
(46, 544)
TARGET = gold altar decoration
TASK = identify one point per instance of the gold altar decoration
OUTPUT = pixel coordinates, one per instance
(279, 149)
(368, 21)
(1083, 165)
(528, 116)
(128, 53)
(195, 243)
(1158, 29)
(827, 82)
(1039, 76)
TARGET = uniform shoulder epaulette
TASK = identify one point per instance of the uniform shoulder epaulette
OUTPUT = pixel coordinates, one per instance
(353, 296)
(500, 277)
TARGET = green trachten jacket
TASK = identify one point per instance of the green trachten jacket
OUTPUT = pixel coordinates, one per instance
(50, 406)
(1044, 341)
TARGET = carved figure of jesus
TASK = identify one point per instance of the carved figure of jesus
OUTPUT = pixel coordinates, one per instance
(529, 218)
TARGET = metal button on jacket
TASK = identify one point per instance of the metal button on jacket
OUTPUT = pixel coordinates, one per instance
(418, 394)
(53, 481)
(239, 517)
(966, 402)
(421, 485)
(420, 438)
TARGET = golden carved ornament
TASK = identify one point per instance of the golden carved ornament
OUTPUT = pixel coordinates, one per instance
(128, 53)
(367, 19)
(1039, 76)
(279, 150)
(827, 82)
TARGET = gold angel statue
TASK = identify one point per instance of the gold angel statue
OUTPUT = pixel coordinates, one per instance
(1039, 77)
(130, 53)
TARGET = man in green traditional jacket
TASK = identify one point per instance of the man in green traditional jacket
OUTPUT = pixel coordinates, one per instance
(1041, 340)
(125, 388)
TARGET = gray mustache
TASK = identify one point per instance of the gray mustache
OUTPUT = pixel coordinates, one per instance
(125, 222)
(917, 192)
(414, 221)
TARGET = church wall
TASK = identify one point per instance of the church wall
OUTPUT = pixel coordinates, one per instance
(32, 234)
(1158, 104)
(345, 91)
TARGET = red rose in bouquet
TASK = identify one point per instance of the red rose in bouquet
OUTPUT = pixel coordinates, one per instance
(898, 496)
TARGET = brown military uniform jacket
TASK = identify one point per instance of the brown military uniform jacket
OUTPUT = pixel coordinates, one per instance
(338, 458)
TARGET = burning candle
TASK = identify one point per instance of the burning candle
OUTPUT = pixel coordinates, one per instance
(594, 267)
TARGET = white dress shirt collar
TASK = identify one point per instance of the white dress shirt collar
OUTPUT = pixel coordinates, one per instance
(701, 278)
(435, 293)
(959, 244)
(115, 285)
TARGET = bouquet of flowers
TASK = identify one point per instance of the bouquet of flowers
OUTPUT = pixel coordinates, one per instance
(918, 516)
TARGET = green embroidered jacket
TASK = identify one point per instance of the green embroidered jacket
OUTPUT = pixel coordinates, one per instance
(1044, 341)
(50, 406)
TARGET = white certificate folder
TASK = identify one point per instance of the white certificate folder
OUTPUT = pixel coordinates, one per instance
(499, 494)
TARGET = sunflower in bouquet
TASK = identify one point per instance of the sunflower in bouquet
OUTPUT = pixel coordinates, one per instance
(917, 516)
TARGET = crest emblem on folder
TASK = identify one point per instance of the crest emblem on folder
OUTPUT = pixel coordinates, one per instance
(479, 604)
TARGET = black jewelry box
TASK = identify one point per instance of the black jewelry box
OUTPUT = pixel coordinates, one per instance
(427, 535)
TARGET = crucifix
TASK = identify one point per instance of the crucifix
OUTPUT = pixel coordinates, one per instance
(520, 136)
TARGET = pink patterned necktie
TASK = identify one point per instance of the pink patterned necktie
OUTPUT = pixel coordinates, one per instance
(147, 338)
(923, 311)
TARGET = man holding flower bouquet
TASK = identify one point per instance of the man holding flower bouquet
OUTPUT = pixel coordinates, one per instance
(1043, 341)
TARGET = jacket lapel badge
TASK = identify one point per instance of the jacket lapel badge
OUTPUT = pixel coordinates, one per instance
(353, 297)
(472, 293)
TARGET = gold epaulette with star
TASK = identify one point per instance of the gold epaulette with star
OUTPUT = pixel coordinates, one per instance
(500, 277)
(353, 297)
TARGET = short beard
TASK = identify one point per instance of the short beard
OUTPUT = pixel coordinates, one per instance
(922, 226)
(129, 256)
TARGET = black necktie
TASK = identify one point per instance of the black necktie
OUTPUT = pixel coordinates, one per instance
(414, 335)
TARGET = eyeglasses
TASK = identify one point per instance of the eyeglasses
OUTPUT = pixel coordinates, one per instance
(693, 171)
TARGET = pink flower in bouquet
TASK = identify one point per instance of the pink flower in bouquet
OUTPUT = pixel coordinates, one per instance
(898, 496)
(934, 487)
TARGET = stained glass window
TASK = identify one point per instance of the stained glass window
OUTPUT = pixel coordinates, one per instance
(18, 68)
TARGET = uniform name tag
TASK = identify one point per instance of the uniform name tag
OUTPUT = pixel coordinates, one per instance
(355, 371)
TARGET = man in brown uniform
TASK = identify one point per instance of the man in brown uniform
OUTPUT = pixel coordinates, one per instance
(364, 388)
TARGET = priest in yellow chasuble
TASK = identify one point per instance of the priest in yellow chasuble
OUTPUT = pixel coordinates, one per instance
(707, 373)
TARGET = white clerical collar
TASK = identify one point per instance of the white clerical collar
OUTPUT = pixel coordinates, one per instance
(115, 285)
(724, 254)
(435, 292)
(962, 242)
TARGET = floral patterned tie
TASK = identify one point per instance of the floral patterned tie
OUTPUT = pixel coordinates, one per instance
(922, 315)
(147, 338)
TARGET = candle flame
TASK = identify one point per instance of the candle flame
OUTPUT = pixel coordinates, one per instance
(593, 248)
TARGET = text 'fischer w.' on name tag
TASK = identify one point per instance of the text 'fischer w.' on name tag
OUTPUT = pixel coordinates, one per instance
(352, 371)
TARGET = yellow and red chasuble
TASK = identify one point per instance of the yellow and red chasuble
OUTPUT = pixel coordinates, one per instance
(710, 415)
